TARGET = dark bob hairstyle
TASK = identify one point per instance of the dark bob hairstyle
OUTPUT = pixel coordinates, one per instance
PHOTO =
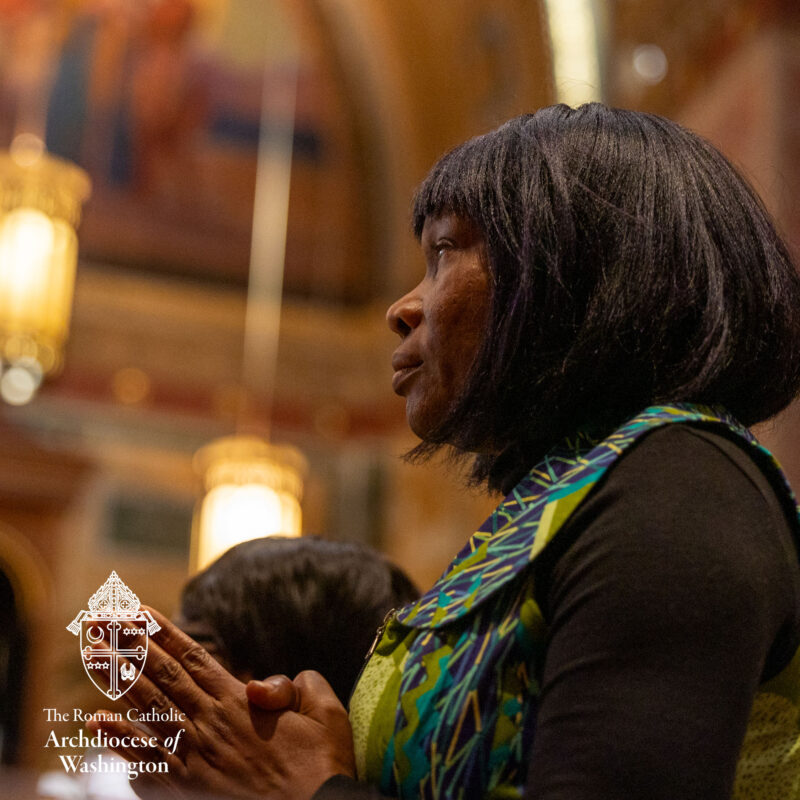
(631, 265)
(279, 606)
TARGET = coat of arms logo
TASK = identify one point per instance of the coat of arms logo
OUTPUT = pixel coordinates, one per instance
(114, 635)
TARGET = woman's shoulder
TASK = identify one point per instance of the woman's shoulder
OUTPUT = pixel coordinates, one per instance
(686, 516)
(700, 488)
(706, 453)
(702, 471)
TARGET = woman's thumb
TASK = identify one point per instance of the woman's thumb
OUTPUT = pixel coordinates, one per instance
(276, 693)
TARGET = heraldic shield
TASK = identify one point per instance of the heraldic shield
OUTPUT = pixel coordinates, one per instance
(114, 634)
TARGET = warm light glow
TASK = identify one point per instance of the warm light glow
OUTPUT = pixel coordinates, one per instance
(650, 63)
(19, 382)
(253, 489)
(576, 63)
(40, 203)
(38, 256)
(27, 149)
(131, 385)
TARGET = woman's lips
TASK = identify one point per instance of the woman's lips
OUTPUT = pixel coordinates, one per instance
(403, 371)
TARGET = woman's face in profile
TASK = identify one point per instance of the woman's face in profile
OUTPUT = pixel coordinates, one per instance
(441, 321)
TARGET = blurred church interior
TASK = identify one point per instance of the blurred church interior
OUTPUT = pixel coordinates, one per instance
(189, 118)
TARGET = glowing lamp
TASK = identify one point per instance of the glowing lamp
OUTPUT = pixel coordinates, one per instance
(253, 489)
(40, 205)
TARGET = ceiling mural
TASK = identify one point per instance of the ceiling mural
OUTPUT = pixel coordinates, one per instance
(163, 103)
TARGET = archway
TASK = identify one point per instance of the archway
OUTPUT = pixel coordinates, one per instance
(25, 592)
(13, 658)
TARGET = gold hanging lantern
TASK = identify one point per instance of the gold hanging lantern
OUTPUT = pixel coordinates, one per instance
(40, 205)
(253, 489)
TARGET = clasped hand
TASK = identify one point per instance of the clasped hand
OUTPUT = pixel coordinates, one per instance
(269, 739)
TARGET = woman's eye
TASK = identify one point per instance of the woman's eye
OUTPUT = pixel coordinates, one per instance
(436, 253)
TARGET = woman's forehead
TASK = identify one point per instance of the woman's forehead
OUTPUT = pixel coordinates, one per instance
(449, 223)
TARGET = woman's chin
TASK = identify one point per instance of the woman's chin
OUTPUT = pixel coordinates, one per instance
(421, 420)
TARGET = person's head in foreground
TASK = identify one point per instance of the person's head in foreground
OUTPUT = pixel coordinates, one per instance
(583, 264)
(282, 605)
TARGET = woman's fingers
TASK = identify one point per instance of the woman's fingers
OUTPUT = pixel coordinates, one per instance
(309, 693)
(169, 690)
(317, 698)
(165, 683)
(319, 702)
(178, 675)
(164, 711)
(194, 660)
(276, 693)
(137, 745)
(159, 710)
(234, 748)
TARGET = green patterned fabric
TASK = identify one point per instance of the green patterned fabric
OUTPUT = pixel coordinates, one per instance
(446, 705)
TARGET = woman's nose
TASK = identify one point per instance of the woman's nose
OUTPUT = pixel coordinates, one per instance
(405, 314)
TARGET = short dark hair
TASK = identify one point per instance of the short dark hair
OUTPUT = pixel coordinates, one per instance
(281, 605)
(631, 264)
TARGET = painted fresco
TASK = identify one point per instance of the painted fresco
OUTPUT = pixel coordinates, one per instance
(161, 102)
